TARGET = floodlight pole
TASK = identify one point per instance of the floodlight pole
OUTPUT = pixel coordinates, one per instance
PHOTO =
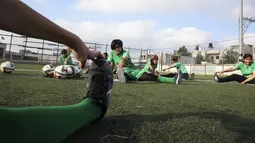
(241, 31)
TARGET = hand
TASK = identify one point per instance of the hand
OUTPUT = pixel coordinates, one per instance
(220, 73)
(120, 66)
(242, 82)
(83, 53)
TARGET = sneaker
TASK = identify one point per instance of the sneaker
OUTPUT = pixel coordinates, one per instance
(121, 75)
(192, 76)
(216, 77)
(114, 71)
(100, 83)
(178, 77)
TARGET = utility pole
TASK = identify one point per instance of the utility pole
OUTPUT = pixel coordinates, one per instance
(241, 31)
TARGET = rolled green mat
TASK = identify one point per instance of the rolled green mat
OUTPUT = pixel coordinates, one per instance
(48, 124)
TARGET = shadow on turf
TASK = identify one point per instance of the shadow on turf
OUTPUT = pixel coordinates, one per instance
(124, 127)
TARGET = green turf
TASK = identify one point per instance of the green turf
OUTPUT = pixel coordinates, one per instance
(199, 112)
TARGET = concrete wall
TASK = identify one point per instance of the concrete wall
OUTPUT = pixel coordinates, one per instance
(204, 70)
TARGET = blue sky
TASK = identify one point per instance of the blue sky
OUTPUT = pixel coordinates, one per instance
(220, 27)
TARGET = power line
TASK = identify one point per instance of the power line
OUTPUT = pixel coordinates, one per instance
(222, 41)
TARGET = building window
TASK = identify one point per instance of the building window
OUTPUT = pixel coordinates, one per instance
(212, 57)
(217, 57)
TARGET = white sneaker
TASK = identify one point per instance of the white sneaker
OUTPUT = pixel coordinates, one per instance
(121, 76)
(216, 77)
(178, 77)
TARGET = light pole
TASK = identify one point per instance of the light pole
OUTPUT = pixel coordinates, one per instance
(241, 30)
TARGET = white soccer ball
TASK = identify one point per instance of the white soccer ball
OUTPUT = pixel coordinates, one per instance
(64, 71)
(48, 70)
(7, 67)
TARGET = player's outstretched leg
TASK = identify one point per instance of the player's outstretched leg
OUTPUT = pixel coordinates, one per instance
(100, 83)
(233, 77)
(121, 75)
(53, 124)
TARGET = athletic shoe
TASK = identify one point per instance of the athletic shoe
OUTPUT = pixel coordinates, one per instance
(216, 77)
(114, 71)
(100, 83)
(121, 75)
(192, 76)
(178, 77)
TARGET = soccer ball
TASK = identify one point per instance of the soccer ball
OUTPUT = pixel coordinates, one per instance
(7, 67)
(77, 71)
(64, 71)
(48, 70)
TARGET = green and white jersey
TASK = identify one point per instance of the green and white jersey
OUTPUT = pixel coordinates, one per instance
(180, 66)
(69, 62)
(147, 67)
(132, 71)
(247, 71)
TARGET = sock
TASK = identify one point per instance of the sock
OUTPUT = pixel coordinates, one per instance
(48, 124)
(165, 79)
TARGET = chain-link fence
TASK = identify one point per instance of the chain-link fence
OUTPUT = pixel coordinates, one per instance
(24, 49)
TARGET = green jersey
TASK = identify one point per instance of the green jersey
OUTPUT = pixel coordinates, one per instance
(180, 66)
(246, 70)
(69, 62)
(147, 67)
(130, 69)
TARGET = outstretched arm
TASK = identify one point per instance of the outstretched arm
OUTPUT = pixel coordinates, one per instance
(249, 79)
(17, 17)
(168, 68)
(228, 70)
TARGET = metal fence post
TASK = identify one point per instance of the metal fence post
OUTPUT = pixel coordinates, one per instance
(25, 48)
(106, 48)
(57, 53)
(42, 51)
(10, 46)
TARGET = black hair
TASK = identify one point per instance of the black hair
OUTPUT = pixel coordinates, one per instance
(155, 57)
(247, 56)
(64, 51)
(116, 42)
(105, 53)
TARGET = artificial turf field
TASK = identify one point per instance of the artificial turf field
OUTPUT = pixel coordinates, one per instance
(196, 111)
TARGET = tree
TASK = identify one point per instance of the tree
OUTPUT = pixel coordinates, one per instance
(183, 51)
(199, 58)
(230, 57)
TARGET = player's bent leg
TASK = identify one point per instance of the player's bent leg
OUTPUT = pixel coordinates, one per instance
(191, 77)
(185, 76)
(52, 124)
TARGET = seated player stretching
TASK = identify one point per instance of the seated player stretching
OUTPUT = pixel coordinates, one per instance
(126, 70)
(247, 68)
(151, 65)
(65, 58)
(179, 66)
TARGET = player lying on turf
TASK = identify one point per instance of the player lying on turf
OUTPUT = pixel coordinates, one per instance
(247, 68)
(126, 70)
(65, 57)
(52, 124)
(179, 66)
